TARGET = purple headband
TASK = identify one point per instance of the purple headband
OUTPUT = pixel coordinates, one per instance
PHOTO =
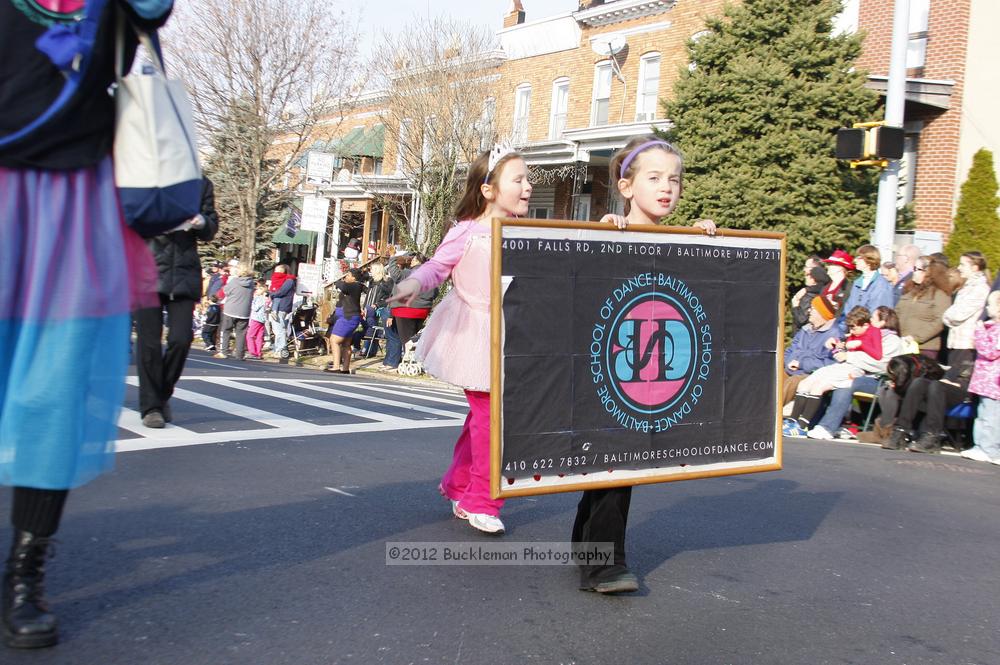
(636, 150)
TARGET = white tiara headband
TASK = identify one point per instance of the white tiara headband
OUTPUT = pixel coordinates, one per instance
(499, 151)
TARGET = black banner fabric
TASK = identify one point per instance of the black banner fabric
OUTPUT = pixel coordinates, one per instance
(621, 355)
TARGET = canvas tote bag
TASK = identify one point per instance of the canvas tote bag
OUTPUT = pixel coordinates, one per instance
(156, 149)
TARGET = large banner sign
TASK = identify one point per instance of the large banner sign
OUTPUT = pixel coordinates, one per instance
(633, 357)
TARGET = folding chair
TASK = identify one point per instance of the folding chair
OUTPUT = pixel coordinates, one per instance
(373, 334)
(872, 401)
(958, 423)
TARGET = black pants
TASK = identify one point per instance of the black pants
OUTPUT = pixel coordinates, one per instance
(159, 370)
(208, 334)
(407, 328)
(601, 517)
(933, 398)
(888, 404)
(239, 328)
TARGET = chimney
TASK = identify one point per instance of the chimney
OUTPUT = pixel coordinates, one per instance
(515, 16)
(587, 4)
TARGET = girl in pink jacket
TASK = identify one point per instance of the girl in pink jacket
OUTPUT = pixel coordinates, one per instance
(985, 382)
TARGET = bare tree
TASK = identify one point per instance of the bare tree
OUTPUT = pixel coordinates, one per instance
(262, 74)
(440, 77)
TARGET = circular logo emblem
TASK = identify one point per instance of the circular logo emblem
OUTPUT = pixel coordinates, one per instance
(48, 12)
(650, 357)
(651, 352)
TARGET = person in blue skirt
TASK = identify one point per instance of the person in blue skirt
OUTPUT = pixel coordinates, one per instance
(71, 269)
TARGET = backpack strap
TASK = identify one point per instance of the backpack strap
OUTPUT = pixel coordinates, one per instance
(70, 49)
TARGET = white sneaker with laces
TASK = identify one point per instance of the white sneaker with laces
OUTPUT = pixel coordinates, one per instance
(458, 512)
(820, 432)
(486, 523)
(977, 454)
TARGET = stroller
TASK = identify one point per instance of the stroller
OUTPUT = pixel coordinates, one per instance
(410, 366)
(303, 336)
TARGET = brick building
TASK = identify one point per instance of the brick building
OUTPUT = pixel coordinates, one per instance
(570, 89)
(952, 93)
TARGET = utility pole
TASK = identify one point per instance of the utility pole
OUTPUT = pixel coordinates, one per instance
(895, 102)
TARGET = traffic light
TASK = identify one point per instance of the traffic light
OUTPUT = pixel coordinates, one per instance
(888, 142)
(870, 144)
(851, 144)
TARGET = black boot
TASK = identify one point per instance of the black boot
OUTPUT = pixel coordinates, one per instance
(927, 442)
(27, 622)
(897, 439)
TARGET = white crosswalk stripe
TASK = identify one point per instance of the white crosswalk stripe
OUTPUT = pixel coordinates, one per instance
(380, 401)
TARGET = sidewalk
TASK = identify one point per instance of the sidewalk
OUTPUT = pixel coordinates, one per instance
(366, 367)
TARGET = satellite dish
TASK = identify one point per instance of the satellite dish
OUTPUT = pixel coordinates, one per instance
(608, 45)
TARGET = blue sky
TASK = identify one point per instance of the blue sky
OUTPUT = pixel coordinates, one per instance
(392, 15)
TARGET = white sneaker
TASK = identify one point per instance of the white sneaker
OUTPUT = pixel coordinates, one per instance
(485, 522)
(978, 454)
(458, 512)
(820, 432)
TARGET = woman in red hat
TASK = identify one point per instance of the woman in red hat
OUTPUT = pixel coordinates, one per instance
(837, 267)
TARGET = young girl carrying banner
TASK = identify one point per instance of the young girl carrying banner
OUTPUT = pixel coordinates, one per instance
(649, 174)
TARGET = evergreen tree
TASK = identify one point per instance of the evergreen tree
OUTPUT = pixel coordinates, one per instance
(240, 153)
(977, 225)
(756, 116)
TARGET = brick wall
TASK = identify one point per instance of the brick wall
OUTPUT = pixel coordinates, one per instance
(937, 177)
(686, 19)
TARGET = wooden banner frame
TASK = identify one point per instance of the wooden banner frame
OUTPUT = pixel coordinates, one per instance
(499, 488)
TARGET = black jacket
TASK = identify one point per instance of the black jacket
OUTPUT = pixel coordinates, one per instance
(176, 253)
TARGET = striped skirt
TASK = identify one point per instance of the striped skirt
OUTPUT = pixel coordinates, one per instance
(67, 285)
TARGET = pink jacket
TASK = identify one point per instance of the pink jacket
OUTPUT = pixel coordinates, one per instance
(986, 374)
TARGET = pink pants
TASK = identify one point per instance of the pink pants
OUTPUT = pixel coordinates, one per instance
(468, 477)
(255, 338)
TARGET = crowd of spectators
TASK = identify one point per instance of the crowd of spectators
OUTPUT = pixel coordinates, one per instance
(363, 310)
(916, 335)
(242, 314)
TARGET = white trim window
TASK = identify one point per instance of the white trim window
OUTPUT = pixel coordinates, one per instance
(522, 111)
(403, 145)
(647, 93)
(560, 107)
(487, 131)
(427, 147)
(916, 46)
(601, 105)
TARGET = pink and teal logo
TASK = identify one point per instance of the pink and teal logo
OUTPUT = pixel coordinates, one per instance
(650, 358)
(651, 352)
(48, 12)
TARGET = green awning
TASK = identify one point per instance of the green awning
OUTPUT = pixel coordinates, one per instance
(280, 236)
(358, 141)
(374, 142)
(347, 144)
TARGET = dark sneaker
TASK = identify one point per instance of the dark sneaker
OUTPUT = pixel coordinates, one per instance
(154, 420)
(897, 440)
(608, 579)
(926, 443)
(624, 583)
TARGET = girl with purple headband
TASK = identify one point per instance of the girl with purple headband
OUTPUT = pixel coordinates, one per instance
(648, 173)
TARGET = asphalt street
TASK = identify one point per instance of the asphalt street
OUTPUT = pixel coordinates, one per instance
(255, 531)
